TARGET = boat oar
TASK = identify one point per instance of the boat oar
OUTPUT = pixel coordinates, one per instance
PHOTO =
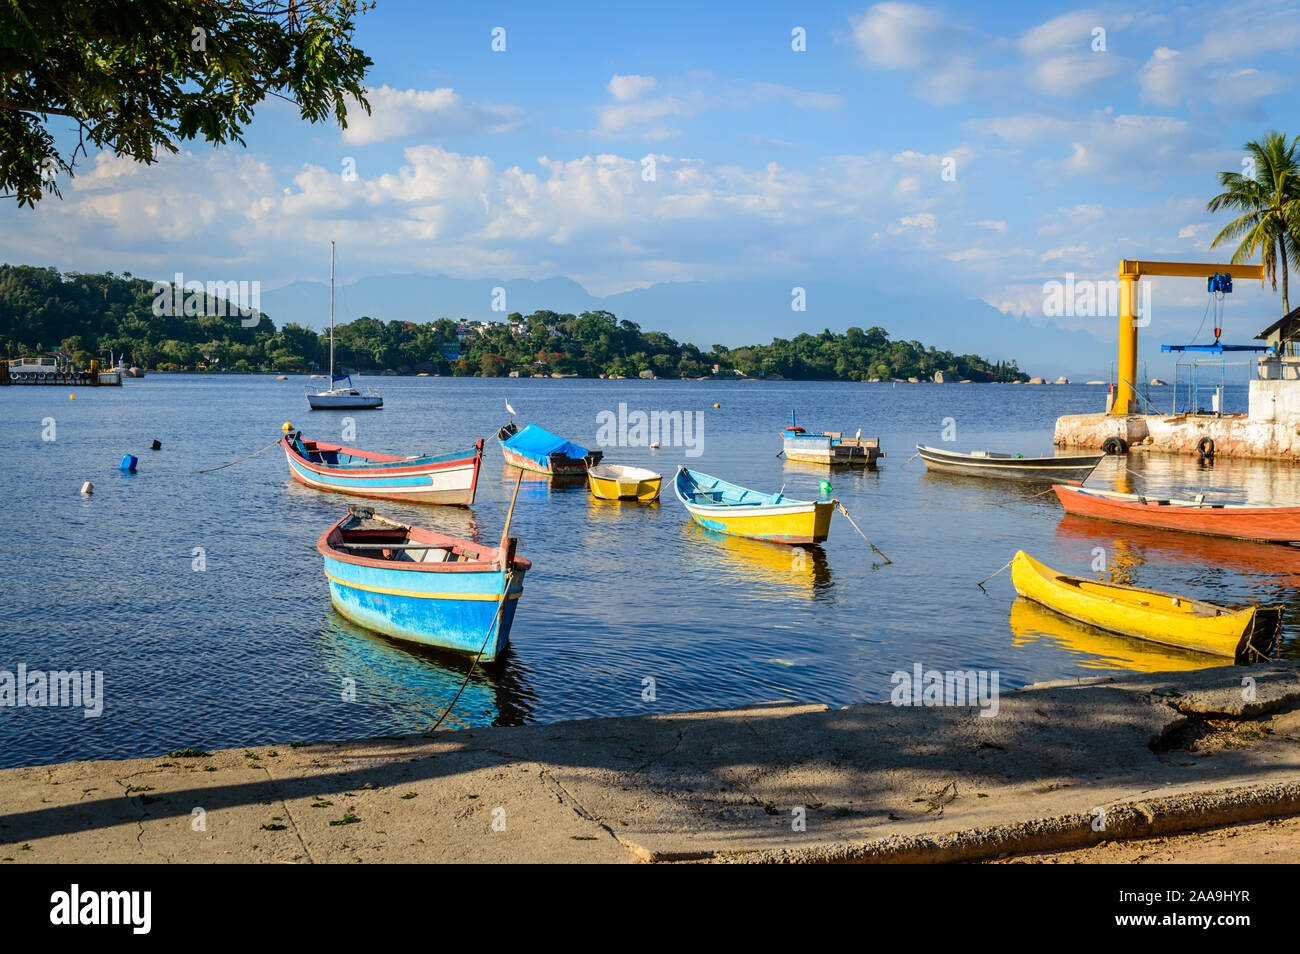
(505, 533)
(981, 583)
(508, 566)
(840, 507)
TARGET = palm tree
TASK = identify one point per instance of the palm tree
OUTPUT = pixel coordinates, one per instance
(1269, 225)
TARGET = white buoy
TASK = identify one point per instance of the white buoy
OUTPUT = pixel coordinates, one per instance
(87, 488)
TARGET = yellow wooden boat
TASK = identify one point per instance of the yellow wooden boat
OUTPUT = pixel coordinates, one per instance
(729, 508)
(619, 482)
(1149, 614)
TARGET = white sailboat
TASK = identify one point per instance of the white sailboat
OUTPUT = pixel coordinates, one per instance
(342, 397)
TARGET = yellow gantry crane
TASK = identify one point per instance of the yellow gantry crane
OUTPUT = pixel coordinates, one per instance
(1130, 272)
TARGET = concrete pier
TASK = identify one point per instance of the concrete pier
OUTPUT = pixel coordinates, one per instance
(1234, 435)
(1060, 766)
(1269, 431)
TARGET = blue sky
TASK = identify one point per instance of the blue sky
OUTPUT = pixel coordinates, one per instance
(819, 165)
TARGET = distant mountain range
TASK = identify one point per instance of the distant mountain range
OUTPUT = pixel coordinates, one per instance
(735, 313)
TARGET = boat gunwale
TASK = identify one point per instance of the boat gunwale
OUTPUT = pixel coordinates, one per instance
(1064, 579)
(639, 474)
(405, 467)
(1175, 504)
(1069, 462)
(332, 538)
(766, 507)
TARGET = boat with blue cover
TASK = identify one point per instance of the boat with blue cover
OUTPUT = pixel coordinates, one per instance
(718, 505)
(422, 586)
(535, 448)
(438, 479)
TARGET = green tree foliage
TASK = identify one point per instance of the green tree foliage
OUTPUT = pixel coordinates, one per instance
(1269, 202)
(89, 315)
(138, 77)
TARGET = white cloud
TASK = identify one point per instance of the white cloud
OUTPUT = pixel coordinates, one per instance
(424, 114)
(1070, 74)
(900, 36)
(1070, 31)
(649, 118)
(1134, 147)
(630, 87)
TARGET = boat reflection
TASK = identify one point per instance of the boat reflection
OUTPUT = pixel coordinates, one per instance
(611, 511)
(1132, 546)
(1260, 483)
(415, 683)
(535, 486)
(1097, 649)
(1001, 489)
(842, 470)
(768, 569)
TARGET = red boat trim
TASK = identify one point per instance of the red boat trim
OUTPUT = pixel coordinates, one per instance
(342, 471)
(334, 536)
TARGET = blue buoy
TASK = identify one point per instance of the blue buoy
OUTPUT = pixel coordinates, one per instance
(128, 462)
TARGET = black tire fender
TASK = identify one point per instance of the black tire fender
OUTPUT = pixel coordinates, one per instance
(1205, 447)
(1114, 445)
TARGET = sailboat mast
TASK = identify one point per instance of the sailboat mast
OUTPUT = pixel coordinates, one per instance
(331, 384)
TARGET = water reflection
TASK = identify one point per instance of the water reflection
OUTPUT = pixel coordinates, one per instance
(415, 683)
(535, 486)
(767, 569)
(1261, 483)
(1266, 563)
(1097, 649)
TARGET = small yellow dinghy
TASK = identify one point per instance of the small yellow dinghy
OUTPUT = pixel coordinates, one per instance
(619, 482)
(1163, 618)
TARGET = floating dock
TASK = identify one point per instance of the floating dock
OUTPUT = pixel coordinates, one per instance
(52, 376)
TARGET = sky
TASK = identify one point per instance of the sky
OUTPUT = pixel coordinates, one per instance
(978, 148)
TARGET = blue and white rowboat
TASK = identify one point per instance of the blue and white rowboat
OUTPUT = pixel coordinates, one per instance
(443, 479)
(421, 586)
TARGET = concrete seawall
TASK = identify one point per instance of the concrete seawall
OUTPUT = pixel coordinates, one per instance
(1235, 435)
(1145, 754)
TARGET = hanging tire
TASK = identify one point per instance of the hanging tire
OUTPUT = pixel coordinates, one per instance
(1205, 447)
(1114, 445)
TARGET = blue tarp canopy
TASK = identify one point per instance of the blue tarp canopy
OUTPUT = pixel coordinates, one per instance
(539, 443)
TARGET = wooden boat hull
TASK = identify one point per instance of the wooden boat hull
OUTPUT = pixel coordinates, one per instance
(1149, 614)
(831, 449)
(551, 463)
(560, 467)
(1073, 469)
(607, 483)
(450, 479)
(1267, 524)
(452, 606)
(796, 522)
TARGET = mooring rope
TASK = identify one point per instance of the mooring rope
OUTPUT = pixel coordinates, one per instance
(981, 583)
(496, 617)
(501, 604)
(233, 462)
(839, 506)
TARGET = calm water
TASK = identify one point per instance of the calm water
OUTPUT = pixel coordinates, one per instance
(249, 651)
